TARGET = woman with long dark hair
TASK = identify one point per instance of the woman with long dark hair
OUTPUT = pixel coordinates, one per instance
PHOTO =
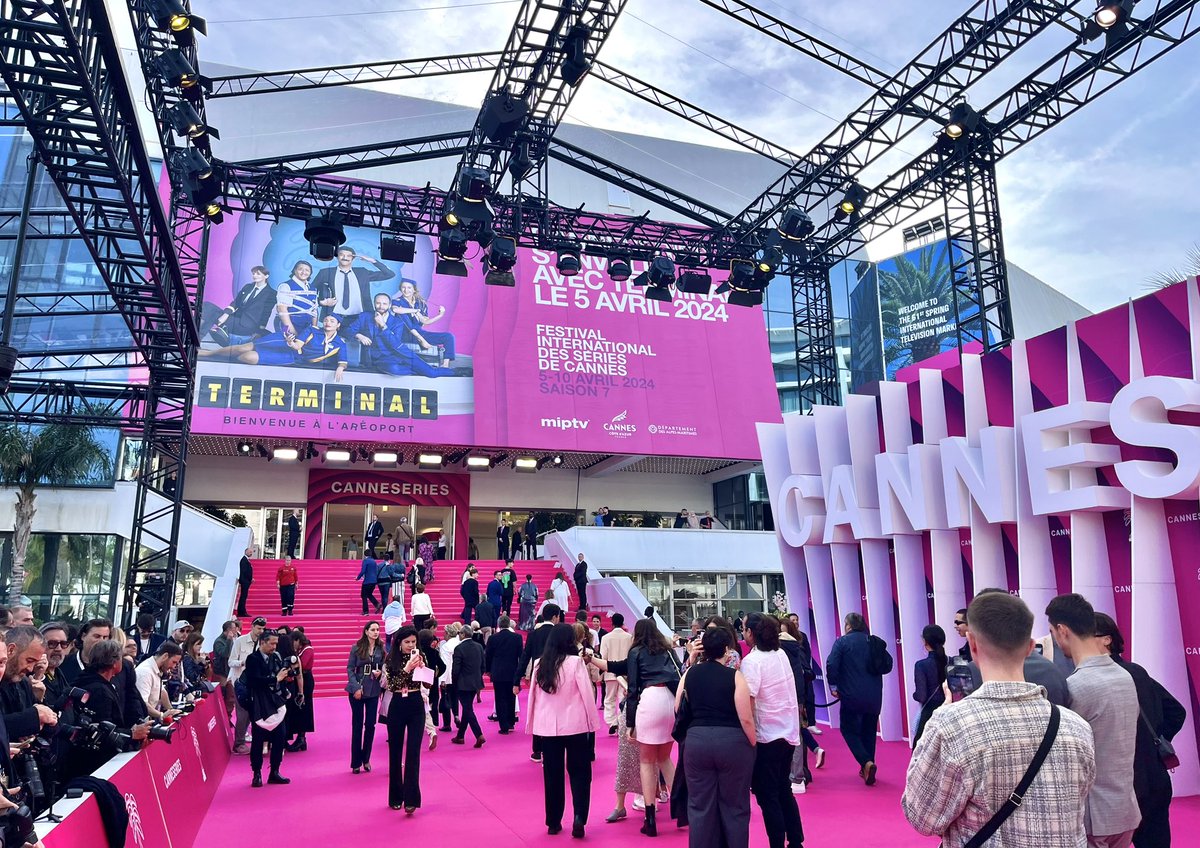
(650, 711)
(794, 643)
(300, 713)
(405, 719)
(365, 672)
(562, 712)
(719, 755)
(929, 675)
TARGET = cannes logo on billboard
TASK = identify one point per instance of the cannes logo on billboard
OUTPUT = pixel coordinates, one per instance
(617, 428)
(566, 423)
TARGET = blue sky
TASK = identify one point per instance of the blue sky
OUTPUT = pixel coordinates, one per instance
(1094, 207)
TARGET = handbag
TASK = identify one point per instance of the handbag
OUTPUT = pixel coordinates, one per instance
(1018, 794)
(385, 701)
(1162, 745)
(273, 720)
(683, 719)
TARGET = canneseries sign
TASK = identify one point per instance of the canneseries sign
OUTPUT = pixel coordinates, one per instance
(375, 350)
(1067, 462)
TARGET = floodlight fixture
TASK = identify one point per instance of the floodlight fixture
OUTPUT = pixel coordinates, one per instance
(452, 246)
(385, 457)
(501, 259)
(526, 464)
(285, 454)
(337, 455)
(175, 70)
(619, 267)
(186, 121)
(245, 448)
(429, 460)
(569, 263)
(964, 120)
(324, 233)
(173, 17)
(851, 203)
(694, 282)
(476, 462)
(474, 184)
(1108, 14)
(576, 62)
(795, 225)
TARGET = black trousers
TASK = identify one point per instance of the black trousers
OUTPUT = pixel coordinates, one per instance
(368, 596)
(287, 599)
(405, 727)
(244, 587)
(506, 603)
(581, 588)
(419, 622)
(773, 791)
(506, 703)
(363, 713)
(577, 754)
(1155, 829)
(466, 714)
(276, 740)
(449, 707)
(468, 608)
(293, 544)
(858, 729)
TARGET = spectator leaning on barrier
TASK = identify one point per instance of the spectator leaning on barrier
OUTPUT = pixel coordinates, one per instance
(105, 661)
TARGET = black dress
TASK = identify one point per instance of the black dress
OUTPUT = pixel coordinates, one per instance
(300, 715)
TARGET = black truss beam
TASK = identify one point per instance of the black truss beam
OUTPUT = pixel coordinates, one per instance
(357, 74)
(529, 70)
(60, 65)
(1065, 83)
(781, 30)
(66, 359)
(816, 349)
(973, 45)
(635, 183)
(43, 224)
(34, 401)
(368, 155)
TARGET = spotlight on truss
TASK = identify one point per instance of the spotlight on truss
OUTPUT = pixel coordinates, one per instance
(501, 259)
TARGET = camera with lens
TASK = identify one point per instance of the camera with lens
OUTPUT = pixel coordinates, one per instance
(162, 732)
(16, 824)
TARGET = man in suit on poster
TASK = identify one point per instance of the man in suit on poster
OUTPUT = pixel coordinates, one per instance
(351, 287)
(247, 316)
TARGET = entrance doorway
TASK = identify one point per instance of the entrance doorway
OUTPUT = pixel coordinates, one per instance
(346, 526)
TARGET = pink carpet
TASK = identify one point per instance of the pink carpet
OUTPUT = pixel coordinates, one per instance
(493, 797)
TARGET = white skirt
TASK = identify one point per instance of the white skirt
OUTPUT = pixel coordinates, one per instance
(655, 716)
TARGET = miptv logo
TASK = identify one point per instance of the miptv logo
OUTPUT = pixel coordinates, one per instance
(617, 428)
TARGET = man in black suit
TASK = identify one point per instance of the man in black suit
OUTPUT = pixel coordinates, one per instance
(502, 654)
(293, 526)
(374, 532)
(147, 640)
(535, 645)
(246, 317)
(245, 578)
(467, 674)
(350, 286)
(531, 531)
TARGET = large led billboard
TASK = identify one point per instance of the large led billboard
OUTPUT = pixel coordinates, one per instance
(359, 349)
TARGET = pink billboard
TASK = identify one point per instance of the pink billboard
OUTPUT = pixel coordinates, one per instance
(363, 349)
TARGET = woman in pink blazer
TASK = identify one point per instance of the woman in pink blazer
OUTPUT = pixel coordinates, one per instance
(562, 712)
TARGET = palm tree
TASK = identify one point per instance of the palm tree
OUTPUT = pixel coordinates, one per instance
(1171, 276)
(908, 283)
(51, 455)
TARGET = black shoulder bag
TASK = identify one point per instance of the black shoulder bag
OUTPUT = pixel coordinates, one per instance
(1018, 794)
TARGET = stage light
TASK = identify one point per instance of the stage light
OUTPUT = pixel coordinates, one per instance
(429, 460)
(963, 121)
(474, 184)
(851, 202)
(521, 165)
(795, 225)
(575, 59)
(661, 273)
(175, 70)
(619, 267)
(479, 463)
(193, 164)
(384, 457)
(285, 454)
(745, 298)
(527, 464)
(1108, 14)
(694, 282)
(555, 460)
(324, 234)
(769, 260)
(569, 263)
(245, 448)
(397, 247)
(186, 121)
(337, 455)
(171, 15)
(501, 259)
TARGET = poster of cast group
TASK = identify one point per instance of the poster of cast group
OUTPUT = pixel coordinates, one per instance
(363, 349)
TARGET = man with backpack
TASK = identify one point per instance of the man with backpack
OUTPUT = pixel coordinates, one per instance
(855, 669)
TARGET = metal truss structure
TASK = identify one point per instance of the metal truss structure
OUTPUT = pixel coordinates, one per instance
(63, 75)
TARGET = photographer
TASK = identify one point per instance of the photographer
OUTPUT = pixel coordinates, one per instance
(54, 633)
(105, 661)
(150, 673)
(10, 804)
(23, 716)
(265, 672)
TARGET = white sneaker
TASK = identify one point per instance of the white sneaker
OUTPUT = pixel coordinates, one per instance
(814, 730)
(798, 788)
(639, 803)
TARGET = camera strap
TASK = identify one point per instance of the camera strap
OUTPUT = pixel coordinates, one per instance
(1018, 794)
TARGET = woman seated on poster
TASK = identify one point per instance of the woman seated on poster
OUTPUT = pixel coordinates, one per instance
(310, 348)
(415, 311)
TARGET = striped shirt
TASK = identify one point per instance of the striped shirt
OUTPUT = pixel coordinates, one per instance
(975, 752)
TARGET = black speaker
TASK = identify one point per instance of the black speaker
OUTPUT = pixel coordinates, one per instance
(502, 116)
(397, 247)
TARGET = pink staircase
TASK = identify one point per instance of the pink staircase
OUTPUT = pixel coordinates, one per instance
(329, 607)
